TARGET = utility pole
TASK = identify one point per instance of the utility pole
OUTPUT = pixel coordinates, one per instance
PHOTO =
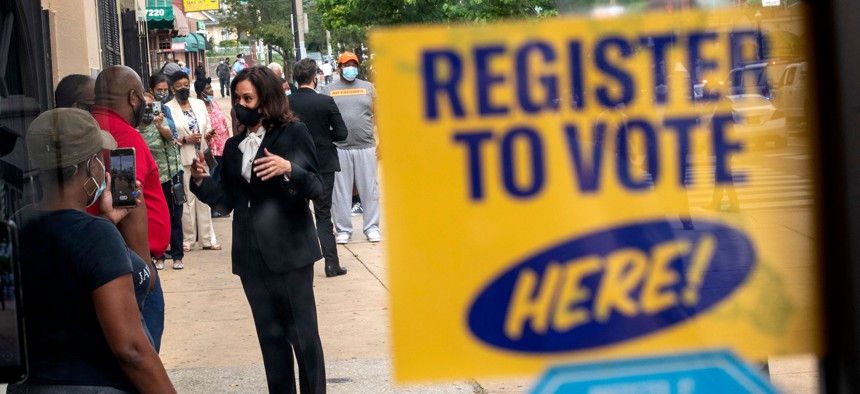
(296, 39)
(302, 21)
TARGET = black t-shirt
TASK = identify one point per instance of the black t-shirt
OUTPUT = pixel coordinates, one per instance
(65, 255)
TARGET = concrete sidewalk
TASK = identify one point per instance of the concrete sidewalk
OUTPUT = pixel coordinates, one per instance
(210, 345)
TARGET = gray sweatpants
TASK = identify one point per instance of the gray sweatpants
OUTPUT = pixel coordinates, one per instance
(359, 166)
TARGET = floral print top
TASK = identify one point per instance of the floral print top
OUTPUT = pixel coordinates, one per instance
(219, 124)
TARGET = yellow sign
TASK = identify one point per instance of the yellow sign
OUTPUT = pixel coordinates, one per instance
(574, 189)
(201, 5)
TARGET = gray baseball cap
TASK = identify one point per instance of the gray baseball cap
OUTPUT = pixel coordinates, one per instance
(62, 137)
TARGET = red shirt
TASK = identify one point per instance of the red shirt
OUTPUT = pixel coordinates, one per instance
(158, 217)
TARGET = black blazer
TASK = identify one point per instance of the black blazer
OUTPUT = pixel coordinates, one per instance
(321, 115)
(277, 210)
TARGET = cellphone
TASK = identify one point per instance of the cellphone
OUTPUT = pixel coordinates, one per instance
(123, 177)
(13, 356)
(155, 107)
(210, 159)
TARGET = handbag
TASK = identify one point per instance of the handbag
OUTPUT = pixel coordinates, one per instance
(177, 189)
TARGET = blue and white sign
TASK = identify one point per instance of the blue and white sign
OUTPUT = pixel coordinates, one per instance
(712, 372)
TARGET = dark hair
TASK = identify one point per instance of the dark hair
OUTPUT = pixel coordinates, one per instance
(270, 94)
(304, 71)
(178, 76)
(201, 84)
(156, 79)
(69, 90)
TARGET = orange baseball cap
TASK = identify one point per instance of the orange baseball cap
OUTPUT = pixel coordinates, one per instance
(347, 56)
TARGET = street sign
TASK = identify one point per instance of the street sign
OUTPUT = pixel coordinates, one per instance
(571, 188)
(711, 372)
(770, 3)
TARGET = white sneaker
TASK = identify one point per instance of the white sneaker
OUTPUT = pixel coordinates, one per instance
(342, 238)
(373, 236)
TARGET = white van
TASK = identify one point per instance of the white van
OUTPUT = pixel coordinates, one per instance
(790, 94)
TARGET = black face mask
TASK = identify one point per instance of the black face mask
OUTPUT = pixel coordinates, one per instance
(183, 94)
(247, 116)
(139, 112)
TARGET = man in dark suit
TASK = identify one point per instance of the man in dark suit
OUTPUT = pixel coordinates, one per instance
(321, 115)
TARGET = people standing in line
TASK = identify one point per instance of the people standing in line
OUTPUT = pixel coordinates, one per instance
(270, 174)
(238, 65)
(164, 150)
(327, 70)
(82, 293)
(119, 109)
(76, 91)
(357, 154)
(219, 134)
(322, 117)
(200, 72)
(223, 71)
(192, 123)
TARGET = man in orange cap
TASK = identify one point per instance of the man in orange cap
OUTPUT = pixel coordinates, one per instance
(357, 154)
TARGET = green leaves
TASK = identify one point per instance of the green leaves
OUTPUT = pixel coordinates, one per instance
(264, 19)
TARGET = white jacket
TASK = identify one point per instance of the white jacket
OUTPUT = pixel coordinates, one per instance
(188, 151)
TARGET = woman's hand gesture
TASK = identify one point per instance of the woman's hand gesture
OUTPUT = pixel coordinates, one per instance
(199, 170)
(271, 165)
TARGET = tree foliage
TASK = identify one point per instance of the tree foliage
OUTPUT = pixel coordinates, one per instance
(350, 20)
(264, 19)
(315, 37)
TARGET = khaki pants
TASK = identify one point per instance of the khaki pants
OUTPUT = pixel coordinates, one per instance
(196, 218)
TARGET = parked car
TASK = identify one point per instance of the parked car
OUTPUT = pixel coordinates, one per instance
(756, 121)
(750, 79)
(790, 95)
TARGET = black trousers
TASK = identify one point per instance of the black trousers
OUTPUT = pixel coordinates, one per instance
(175, 212)
(285, 317)
(325, 227)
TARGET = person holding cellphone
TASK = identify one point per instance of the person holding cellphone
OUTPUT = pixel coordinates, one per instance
(192, 122)
(158, 137)
(270, 174)
(82, 295)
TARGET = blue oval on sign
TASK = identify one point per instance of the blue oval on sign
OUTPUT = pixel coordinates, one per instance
(611, 286)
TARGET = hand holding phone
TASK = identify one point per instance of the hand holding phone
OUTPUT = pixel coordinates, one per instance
(124, 177)
(106, 207)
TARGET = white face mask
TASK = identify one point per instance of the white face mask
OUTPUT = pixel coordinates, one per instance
(102, 187)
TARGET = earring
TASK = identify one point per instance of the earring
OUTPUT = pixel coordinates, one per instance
(95, 187)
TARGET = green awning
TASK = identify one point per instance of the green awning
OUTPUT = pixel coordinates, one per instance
(201, 41)
(189, 45)
(159, 14)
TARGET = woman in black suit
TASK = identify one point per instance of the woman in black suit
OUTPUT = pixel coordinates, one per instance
(270, 173)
